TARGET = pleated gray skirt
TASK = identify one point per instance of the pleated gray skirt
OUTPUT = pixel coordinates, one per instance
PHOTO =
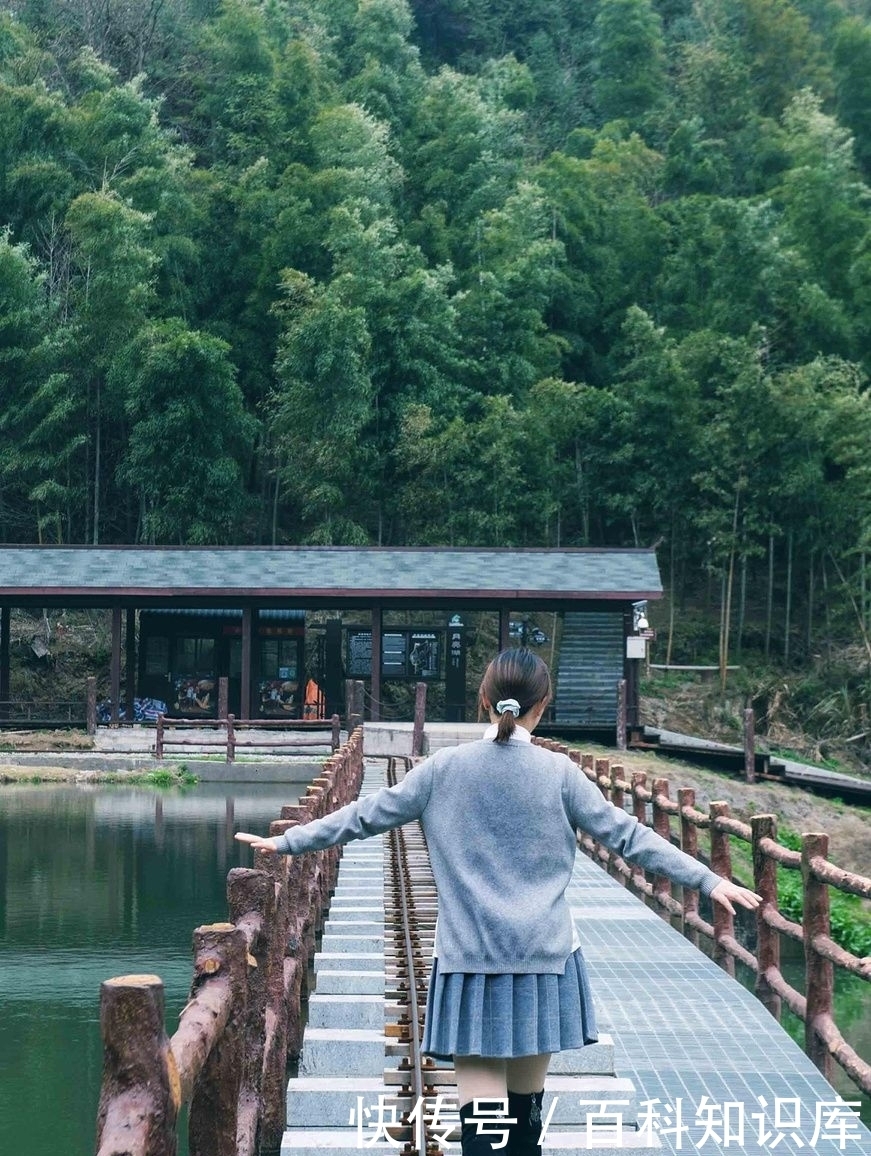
(504, 1016)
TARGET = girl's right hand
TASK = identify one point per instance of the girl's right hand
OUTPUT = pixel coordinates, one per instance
(726, 893)
(257, 843)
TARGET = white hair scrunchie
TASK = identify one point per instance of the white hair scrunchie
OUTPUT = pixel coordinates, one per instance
(508, 704)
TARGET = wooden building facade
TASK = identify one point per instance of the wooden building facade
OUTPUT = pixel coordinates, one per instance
(240, 612)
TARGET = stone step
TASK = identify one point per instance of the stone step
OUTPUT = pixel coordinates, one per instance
(338, 1141)
(335, 943)
(602, 1140)
(348, 1141)
(581, 1097)
(350, 982)
(354, 1010)
(350, 960)
(340, 923)
(328, 1101)
(344, 1052)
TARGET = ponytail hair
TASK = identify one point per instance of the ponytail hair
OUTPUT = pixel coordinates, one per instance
(515, 681)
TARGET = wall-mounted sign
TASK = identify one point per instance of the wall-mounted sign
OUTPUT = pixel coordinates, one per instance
(394, 654)
(413, 654)
(358, 663)
(424, 655)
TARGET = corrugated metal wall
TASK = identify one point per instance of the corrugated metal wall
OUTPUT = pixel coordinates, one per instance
(590, 666)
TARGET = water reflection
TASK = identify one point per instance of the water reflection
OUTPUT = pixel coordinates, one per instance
(96, 882)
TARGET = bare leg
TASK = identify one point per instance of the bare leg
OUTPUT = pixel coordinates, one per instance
(480, 1078)
(527, 1073)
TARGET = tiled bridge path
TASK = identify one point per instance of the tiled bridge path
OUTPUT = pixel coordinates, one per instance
(694, 1042)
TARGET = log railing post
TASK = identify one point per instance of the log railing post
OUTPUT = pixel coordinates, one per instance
(689, 844)
(617, 798)
(223, 696)
(231, 738)
(419, 719)
(158, 738)
(662, 826)
(220, 950)
(140, 1078)
(721, 863)
(767, 939)
(275, 1048)
(336, 732)
(251, 902)
(91, 705)
(639, 810)
(819, 971)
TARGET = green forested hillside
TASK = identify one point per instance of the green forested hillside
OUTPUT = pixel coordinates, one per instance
(480, 272)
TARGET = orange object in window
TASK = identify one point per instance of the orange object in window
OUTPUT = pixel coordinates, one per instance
(313, 706)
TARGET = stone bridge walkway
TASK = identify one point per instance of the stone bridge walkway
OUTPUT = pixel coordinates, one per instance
(684, 1031)
(712, 1071)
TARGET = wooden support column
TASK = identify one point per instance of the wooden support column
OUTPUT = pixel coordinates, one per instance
(115, 668)
(419, 720)
(504, 627)
(247, 651)
(375, 683)
(130, 656)
(5, 615)
(91, 705)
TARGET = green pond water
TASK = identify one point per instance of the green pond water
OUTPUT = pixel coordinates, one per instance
(97, 882)
(104, 881)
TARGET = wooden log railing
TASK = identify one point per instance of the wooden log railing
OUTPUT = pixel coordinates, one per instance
(824, 1041)
(281, 732)
(228, 1056)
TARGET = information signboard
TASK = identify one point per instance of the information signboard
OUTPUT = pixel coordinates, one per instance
(424, 655)
(411, 654)
(359, 659)
(394, 654)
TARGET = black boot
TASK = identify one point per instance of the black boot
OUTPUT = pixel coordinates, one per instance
(476, 1142)
(525, 1108)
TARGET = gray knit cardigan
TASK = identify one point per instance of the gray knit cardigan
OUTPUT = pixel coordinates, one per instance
(500, 822)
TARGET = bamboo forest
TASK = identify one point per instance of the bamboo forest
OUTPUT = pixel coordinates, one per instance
(451, 272)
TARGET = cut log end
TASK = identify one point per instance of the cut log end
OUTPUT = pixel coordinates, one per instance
(133, 981)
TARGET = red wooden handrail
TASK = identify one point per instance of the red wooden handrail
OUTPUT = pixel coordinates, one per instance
(823, 1039)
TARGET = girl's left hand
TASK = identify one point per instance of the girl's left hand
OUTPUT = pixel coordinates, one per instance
(257, 843)
(726, 893)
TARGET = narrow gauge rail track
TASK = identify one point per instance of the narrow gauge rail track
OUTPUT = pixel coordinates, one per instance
(411, 907)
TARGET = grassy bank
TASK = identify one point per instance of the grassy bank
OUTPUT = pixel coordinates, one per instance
(179, 776)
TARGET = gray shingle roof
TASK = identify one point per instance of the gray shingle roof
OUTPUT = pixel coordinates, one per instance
(330, 572)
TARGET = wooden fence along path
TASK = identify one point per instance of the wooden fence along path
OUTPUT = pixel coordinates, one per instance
(281, 734)
(823, 1040)
(228, 1058)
